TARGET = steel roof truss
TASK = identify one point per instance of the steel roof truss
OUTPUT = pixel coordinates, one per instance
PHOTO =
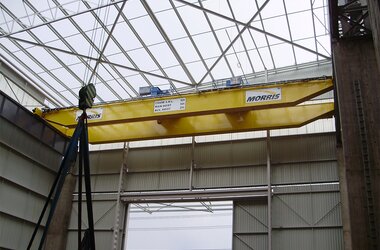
(190, 37)
(234, 40)
(253, 28)
(266, 37)
(217, 41)
(167, 40)
(242, 40)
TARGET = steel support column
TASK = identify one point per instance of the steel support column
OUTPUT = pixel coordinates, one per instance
(269, 191)
(123, 171)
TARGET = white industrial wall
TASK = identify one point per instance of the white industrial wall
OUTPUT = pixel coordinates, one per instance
(30, 154)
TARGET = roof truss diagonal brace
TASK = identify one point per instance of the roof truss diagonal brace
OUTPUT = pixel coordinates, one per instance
(253, 28)
(234, 40)
(167, 40)
(26, 28)
(94, 59)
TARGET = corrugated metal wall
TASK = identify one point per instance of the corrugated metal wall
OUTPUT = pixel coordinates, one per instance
(305, 206)
(30, 153)
(304, 210)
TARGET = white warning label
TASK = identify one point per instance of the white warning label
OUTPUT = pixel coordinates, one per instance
(170, 105)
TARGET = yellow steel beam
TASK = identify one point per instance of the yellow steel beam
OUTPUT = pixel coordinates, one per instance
(203, 103)
(283, 117)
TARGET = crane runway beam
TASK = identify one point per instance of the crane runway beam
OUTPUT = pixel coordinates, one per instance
(283, 117)
(218, 101)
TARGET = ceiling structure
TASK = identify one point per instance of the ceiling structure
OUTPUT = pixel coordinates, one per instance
(177, 45)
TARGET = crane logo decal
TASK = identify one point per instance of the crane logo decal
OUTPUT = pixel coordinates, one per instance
(92, 114)
(263, 95)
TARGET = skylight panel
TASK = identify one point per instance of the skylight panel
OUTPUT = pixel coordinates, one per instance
(283, 55)
(207, 45)
(72, 6)
(111, 48)
(44, 57)
(238, 65)
(218, 6)
(87, 22)
(81, 46)
(120, 58)
(66, 58)
(138, 81)
(104, 73)
(304, 56)
(243, 9)
(16, 7)
(295, 6)
(198, 69)
(147, 30)
(65, 28)
(164, 55)
(134, 9)
(52, 82)
(220, 70)
(104, 93)
(186, 50)
(272, 9)
(301, 25)
(44, 34)
(28, 61)
(159, 6)
(142, 59)
(177, 73)
(67, 78)
(230, 35)
(249, 44)
(277, 26)
(256, 61)
(70, 97)
(265, 55)
(324, 45)
(320, 21)
(258, 38)
(170, 23)
(10, 45)
(125, 37)
(194, 19)
(79, 69)
(121, 89)
(220, 23)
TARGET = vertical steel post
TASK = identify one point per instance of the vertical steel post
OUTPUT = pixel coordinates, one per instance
(123, 172)
(269, 192)
(192, 164)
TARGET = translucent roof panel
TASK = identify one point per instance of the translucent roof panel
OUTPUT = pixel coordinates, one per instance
(179, 45)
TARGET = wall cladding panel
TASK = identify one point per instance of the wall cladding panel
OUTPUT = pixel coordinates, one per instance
(230, 153)
(19, 203)
(168, 180)
(307, 172)
(315, 147)
(159, 158)
(26, 173)
(301, 239)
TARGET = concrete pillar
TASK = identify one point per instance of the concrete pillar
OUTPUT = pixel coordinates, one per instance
(58, 229)
(355, 61)
(374, 16)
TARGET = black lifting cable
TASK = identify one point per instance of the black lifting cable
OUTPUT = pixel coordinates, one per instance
(86, 100)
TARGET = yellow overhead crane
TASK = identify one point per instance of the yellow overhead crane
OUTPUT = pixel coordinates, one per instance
(244, 108)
